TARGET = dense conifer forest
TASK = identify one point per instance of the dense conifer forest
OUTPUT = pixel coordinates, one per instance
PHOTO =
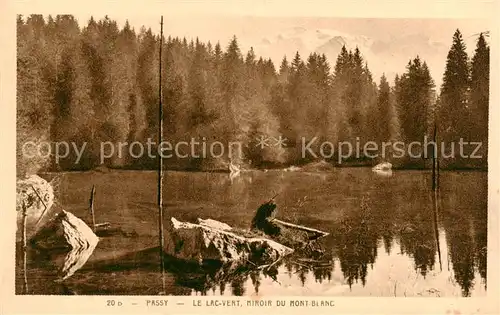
(100, 83)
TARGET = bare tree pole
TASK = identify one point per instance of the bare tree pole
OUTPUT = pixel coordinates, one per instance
(44, 206)
(435, 155)
(435, 187)
(160, 158)
(434, 181)
(91, 205)
(436, 225)
(25, 249)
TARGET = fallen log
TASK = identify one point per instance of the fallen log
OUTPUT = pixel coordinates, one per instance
(306, 234)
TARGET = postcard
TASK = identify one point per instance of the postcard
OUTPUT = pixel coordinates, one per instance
(237, 156)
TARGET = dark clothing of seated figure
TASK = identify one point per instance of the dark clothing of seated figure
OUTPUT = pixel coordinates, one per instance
(263, 219)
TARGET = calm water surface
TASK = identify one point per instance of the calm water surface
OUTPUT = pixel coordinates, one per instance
(388, 235)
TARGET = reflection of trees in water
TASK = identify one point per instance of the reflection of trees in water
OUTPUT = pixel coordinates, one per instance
(238, 285)
(418, 240)
(321, 270)
(222, 287)
(480, 231)
(255, 277)
(387, 238)
(353, 264)
(466, 247)
(404, 213)
(289, 268)
(357, 244)
(302, 273)
(465, 222)
(203, 280)
(413, 224)
(210, 277)
(218, 279)
(409, 215)
(481, 242)
(322, 273)
(461, 253)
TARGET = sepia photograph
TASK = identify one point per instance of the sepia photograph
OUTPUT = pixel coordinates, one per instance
(251, 156)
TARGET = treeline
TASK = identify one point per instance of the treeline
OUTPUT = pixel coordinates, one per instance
(100, 83)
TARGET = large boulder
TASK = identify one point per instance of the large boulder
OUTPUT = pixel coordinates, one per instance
(36, 195)
(216, 241)
(69, 240)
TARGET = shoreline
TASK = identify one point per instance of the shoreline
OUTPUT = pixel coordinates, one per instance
(284, 169)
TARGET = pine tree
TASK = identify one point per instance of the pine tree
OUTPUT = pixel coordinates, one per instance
(217, 54)
(284, 70)
(479, 93)
(147, 79)
(232, 75)
(298, 91)
(340, 129)
(414, 91)
(454, 114)
(33, 106)
(383, 119)
(250, 58)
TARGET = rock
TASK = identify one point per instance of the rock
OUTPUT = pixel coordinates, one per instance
(199, 242)
(215, 224)
(70, 235)
(384, 166)
(37, 195)
(292, 168)
(384, 173)
(75, 259)
(383, 169)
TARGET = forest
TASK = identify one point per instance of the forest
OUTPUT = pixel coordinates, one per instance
(100, 83)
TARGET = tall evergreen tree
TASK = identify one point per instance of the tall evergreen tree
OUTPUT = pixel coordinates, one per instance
(34, 97)
(454, 114)
(479, 93)
(414, 100)
(383, 114)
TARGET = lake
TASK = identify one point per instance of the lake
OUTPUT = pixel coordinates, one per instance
(389, 236)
